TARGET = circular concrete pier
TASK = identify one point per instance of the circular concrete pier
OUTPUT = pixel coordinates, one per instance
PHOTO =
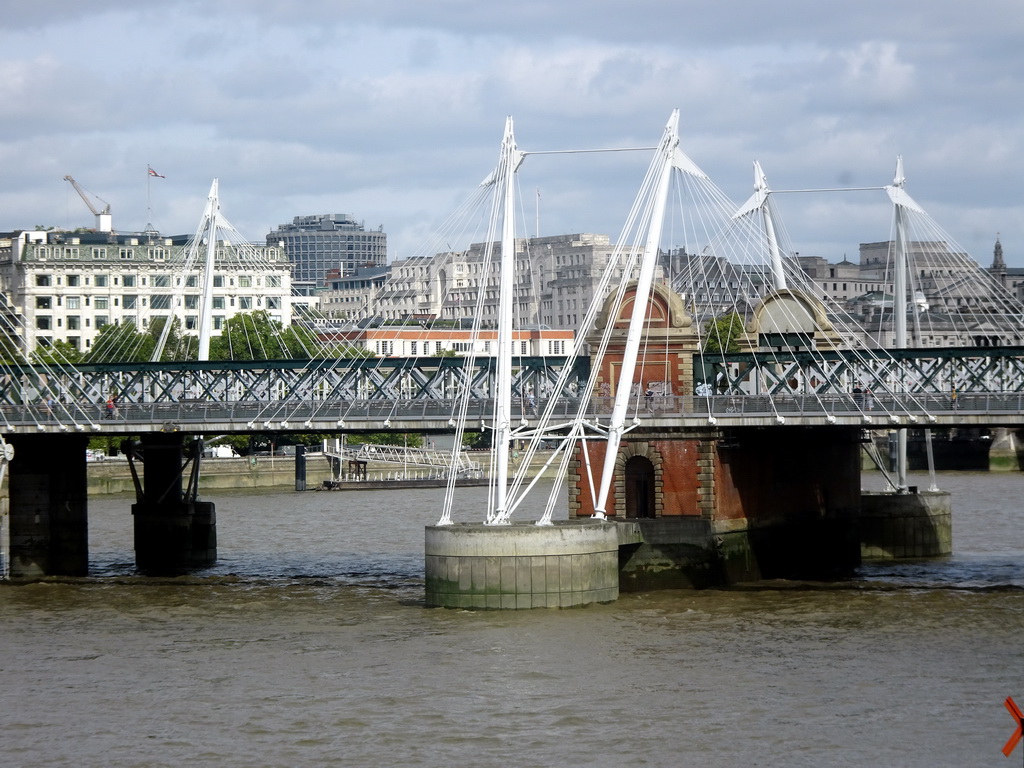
(520, 566)
(894, 526)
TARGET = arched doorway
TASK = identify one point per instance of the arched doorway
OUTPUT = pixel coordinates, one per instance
(639, 487)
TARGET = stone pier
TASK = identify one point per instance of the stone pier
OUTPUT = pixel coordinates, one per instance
(48, 518)
(523, 565)
(174, 531)
(896, 526)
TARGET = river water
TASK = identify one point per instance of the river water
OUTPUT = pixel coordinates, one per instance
(308, 645)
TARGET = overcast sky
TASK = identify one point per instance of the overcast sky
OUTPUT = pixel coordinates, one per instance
(392, 110)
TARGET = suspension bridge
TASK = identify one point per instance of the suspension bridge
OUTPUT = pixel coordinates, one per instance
(718, 418)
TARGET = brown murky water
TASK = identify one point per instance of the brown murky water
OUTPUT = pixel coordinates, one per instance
(308, 645)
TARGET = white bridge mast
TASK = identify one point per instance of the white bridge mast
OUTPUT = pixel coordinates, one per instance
(509, 162)
(670, 155)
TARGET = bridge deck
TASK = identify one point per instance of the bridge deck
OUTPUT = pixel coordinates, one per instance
(430, 415)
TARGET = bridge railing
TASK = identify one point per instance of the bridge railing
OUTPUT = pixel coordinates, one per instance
(254, 415)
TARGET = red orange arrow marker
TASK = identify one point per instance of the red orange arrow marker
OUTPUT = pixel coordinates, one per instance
(1011, 705)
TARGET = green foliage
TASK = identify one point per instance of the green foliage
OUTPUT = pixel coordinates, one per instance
(121, 343)
(722, 334)
(478, 441)
(56, 353)
(255, 336)
(10, 342)
(178, 347)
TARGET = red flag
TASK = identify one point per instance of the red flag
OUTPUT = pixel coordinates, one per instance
(154, 173)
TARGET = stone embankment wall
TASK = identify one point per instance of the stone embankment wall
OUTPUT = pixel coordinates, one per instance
(114, 476)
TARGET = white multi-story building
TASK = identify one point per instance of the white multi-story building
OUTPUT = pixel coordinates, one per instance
(65, 286)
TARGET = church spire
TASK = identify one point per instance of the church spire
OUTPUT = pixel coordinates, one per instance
(997, 257)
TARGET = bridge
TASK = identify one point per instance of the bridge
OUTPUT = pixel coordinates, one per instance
(981, 386)
(721, 412)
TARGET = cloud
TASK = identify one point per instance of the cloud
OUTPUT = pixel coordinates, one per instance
(393, 110)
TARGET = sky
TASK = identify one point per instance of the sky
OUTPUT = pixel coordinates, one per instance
(393, 110)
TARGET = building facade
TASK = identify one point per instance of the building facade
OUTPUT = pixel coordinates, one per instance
(66, 286)
(556, 278)
(412, 341)
(317, 245)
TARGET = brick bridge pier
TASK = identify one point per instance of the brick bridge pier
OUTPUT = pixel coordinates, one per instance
(719, 506)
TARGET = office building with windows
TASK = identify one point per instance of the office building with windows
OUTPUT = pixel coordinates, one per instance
(334, 242)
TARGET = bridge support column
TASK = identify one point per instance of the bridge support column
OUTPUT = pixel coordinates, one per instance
(48, 528)
(724, 507)
(174, 531)
(895, 526)
(522, 566)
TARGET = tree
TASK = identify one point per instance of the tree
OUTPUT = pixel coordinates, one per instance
(56, 353)
(11, 341)
(250, 336)
(121, 343)
(722, 334)
(255, 336)
(179, 346)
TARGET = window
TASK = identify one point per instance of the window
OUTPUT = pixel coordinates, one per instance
(70, 253)
(413, 348)
(245, 302)
(129, 281)
(160, 302)
(100, 281)
(161, 281)
(218, 281)
(75, 341)
(74, 322)
(42, 281)
(244, 281)
(191, 281)
(273, 281)
(74, 302)
(129, 302)
(157, 254)
(218, 302)
(191, 322)
(191, 302)
(101, 302)
(43, 322)
(218, 322)
(102, 320)
(273, 302)
(43, 302)
(126, 253)
(99, 253)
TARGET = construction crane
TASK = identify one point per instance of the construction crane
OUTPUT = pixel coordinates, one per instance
(103, 218)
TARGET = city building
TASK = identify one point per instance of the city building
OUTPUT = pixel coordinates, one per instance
(333, 242)
(354, 297)
(555, 280)
(415, 341)
(65, 286)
